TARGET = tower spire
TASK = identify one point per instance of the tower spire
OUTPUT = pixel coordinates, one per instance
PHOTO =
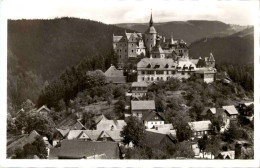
(151, 19)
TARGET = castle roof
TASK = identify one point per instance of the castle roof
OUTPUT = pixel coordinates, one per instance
(150, 30)
(148, 63)
(117, 38)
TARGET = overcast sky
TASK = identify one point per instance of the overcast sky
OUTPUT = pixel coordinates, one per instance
(136, 11)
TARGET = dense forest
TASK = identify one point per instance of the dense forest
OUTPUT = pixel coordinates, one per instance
(233, 49)
(189, 31)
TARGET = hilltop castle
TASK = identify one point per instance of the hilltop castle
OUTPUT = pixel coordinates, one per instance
(161, 58)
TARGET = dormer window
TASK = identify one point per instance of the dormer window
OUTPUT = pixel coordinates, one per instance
(149, 66)
(112, 128)
(167, 66)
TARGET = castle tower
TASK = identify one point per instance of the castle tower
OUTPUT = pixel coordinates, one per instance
(210, 61)
(150, 36)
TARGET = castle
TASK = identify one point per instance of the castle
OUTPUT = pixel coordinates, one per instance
(161, 59)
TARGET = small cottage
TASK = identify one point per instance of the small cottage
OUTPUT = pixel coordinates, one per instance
(200, 128)
(139, 108)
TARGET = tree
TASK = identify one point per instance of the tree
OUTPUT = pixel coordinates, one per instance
(133, 132)
(29, 150)
(183, 149)
(88, 119)
(202, 143)
(119, 108)
(217, 122)
(213, 145)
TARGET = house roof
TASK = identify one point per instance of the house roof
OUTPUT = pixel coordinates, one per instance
(78, 149)
(43, 107)
(230, 109)
(139, 84)
(53, 154)
(99, 118)
(22, 141)
(200, 125)
(248, 103)
(231, 154)
(77, 126)
(186, 63)
(158, 63)
(106, 124)
(63, 132)
(92, 134)
(164, 129)
(148, 116)
(113, 72)
(115, 135)
(155, 139)
(194, 61)
(143, 105)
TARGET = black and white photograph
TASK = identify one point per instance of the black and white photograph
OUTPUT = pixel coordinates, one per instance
(130, 80)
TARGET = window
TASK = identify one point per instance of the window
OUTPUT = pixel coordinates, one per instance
(143, 72)
(159, 72)
(132, 44)
(158, 79)
(156, 117)
(152, 79)
(151, 45)
(120, 56)
(120, 50)
(132, 51)
(161, 78)
(151, 122)
(116, 44)
(148, 78)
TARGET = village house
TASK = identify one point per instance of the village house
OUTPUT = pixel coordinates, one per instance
(139, 89)
(157, 140)
(140, 108)
(152, 119)
(230, 115)
(200, 128)
(77, 149)
(114, 75)
(244, 108)
(43, 110)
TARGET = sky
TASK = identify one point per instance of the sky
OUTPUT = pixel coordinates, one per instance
(240, 12)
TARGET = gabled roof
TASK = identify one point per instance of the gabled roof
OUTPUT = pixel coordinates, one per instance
(143, 105)
(200, 125)
(99, 118)
(107, 124)
(113, 72)
(115, 135)
(92, 134)
(22, 141)
(78, 149)
(139, 84)
(248, 103)
(153, 139)
(148, 116)
(78, 126)
(230, 109)
(43, 107)
(194, 61)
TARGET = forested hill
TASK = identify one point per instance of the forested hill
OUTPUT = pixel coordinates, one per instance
(237, 48)
(47, 47)
(190, 31)
(40, 50)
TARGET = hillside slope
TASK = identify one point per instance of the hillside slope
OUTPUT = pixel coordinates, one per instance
(237, 48)
(47, 47)
(190, 31)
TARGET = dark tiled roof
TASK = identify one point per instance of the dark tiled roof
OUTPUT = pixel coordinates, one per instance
(150, 115)
(143, 105)
(153, 139)
(77, 149)
(116, 80)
